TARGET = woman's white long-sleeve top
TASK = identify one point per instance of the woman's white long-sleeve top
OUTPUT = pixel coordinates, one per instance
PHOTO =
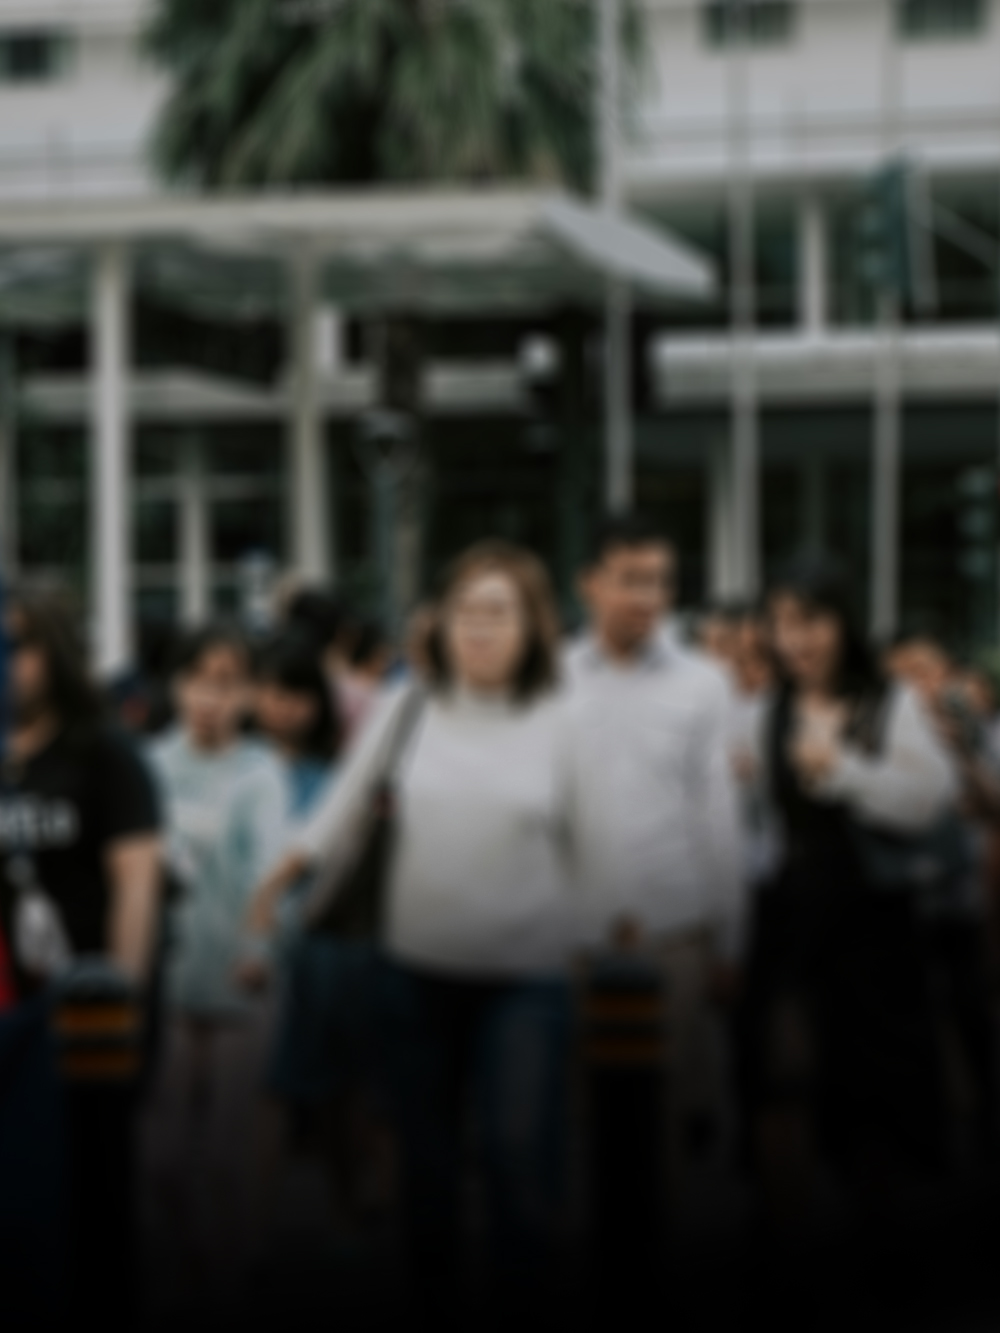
(479, 883)
(905, 786)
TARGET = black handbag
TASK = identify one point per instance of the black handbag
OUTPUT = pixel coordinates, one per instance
(925, 862)
(351, 905)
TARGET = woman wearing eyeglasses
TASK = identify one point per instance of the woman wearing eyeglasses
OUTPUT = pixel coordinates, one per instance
(477, 933)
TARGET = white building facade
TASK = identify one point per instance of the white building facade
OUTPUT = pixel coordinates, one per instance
(795, 414)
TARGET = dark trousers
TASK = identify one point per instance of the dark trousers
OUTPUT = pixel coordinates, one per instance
(852, 966)
(103, 1242)
(498, 1052)
(956, 954)
(32, 1172)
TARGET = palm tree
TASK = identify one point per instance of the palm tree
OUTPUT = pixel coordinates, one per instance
(267, 93)
(278, 92)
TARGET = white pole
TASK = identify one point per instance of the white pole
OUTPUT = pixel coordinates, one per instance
(8, 457)
(720, 519)
(111, 510)
(813, 278)
(308, 482)
(619, 464)
(195, 590)
(997, 492)
(743, 312)
(887, 444)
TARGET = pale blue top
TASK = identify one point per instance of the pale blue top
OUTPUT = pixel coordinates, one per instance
(225, 815)
(306, 784)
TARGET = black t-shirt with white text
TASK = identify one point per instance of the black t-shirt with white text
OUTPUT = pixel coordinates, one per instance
(64, 807)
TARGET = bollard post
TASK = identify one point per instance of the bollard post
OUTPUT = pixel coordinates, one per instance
(624, 1053)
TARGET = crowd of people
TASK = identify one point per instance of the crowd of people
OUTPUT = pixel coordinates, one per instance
(319, 893)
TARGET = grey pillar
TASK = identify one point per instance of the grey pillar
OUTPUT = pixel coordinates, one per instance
(195, 571)
(111, 509)
(9, 552)
(308, 523)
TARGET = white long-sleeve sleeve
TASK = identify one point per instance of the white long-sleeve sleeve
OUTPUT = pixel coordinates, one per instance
(331, 835)
(656, 818)
(908, 785)
(478, 881)
(715, 810)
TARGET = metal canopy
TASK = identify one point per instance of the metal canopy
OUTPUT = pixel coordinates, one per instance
(439, 252)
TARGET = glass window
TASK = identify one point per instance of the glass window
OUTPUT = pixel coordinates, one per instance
(155, 606)
(705, 224)
(949, 523)
(940, 18)
(158, 452)
(676, 501)
(966, 288)
(155, 531)
(754, 22)
(244, 451)
(851, 300)
(32, 57)
(815, 489)
(51, 455)
(53, 533)
(240, 527)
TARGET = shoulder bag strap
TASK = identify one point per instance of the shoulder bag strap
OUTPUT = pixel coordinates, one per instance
(405, 727)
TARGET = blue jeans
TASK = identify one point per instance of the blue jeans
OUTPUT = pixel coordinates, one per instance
(326, 1023)
(498, 1050)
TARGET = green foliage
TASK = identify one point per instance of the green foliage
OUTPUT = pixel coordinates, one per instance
(268, 92)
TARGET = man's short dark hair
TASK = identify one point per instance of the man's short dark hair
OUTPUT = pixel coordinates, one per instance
(925, 632)
(625, 532)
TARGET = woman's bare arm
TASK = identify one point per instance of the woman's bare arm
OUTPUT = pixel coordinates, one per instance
(135, 869)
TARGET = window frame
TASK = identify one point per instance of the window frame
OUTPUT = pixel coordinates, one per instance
(56, 42)
(924, 30)
(717, 38)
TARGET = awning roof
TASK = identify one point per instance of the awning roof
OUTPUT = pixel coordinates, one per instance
(435, 251)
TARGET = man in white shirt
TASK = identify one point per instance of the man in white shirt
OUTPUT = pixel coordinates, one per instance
(661, 846)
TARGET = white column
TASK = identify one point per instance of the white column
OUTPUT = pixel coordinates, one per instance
(195, 569)
(745, 474)
(813, 274)
(307, 526)
(886, 443)
(111, 510)
(886, 478)
(722, 579)
(8, 459)
(619, 462)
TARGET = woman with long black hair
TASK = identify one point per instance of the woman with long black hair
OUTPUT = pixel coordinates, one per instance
(837, 1048)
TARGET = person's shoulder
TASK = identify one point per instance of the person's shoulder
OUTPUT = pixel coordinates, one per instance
(257, 764)
(704, 676)
(108, 742)
(164, 749)
(550, 707)
(573, 655)
(905, 709)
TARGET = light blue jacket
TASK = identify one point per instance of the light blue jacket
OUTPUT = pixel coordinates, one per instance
(225, 817)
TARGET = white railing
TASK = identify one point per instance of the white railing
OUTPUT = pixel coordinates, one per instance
(55, 165)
